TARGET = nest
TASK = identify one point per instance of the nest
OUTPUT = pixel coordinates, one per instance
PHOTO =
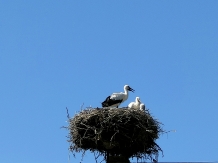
(115, 131)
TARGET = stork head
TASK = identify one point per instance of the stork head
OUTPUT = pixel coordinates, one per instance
(126, 87)
(137, 99)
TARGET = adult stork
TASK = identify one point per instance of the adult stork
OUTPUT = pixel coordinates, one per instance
(136, 104)
(116, 99)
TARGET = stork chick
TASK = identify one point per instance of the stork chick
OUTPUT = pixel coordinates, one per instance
(136, 104)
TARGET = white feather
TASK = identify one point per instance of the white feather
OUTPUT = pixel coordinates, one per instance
(118, 96)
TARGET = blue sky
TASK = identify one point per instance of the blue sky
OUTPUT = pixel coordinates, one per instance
(58, 54)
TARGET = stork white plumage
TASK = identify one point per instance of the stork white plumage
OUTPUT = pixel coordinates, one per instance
(142, 107)
(116, 99)
(136, 104)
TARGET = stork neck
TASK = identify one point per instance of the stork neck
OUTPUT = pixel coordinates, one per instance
(126, 92)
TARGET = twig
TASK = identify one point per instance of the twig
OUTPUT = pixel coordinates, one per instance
(114, 135)
(95, 157)
(68, 116)
(81, 106)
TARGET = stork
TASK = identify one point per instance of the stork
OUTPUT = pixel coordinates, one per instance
(142, 107)
(116, 99)
(136, 104)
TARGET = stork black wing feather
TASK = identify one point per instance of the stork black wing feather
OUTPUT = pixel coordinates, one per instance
(110, 102)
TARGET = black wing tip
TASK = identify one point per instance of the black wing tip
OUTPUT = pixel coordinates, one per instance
(109, 102)
(103, 104)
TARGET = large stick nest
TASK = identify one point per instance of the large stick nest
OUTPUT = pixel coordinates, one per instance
(118, 131)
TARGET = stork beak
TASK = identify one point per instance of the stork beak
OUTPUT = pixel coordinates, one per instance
(130, 89)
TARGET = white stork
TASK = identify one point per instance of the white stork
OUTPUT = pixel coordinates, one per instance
(136, 104)
(142, 107)
(116, 99)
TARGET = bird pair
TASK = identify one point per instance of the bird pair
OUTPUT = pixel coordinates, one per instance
(137, 104)
(115, 99)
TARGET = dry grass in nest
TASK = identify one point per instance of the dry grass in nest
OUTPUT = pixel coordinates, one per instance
(117, 131)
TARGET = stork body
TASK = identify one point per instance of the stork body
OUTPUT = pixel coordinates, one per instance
(116, 99)
(136, 104)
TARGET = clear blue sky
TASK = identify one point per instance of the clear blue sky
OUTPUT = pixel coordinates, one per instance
(58, 54)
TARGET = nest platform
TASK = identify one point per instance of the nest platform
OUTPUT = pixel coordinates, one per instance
(115, 132)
